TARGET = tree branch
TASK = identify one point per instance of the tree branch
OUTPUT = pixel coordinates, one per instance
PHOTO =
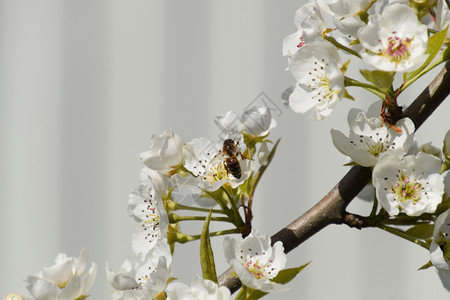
(332, 208)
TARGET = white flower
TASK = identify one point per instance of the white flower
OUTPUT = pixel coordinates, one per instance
(165, 154)
(369, 137)
(66, 279)
(208, 164)
(320, 82)
(440, 248)
(257, 121)
(145, 281)
(345, 8)
(200, 289)
(146, 207)
(310, 25)
(394, 40)
(443, 16)
(255, 261)
(412, 184)
(161, 183)
(14, 297)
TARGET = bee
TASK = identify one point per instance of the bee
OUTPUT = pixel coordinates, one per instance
(230, 150)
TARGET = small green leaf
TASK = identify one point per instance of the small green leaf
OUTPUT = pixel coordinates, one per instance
(426, 266)
(434, 44)
(286, 275)
(347, 95)
(421, 231)
(345, 66)
(283, 277)
(206, 253)
(380, 79)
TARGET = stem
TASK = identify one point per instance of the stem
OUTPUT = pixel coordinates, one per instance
(185, 207)
(373, 213)
(445, 165)
(340, 46)
(218, 233)
(174, 218)
(423, 72)
(371, 88)
(402, 234)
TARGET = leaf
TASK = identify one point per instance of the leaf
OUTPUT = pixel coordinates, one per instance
(347, 95)
(206, 253)
(434, 44)
(380, 79)
(286, 275)
(283, 277)
(426, 266)
(421, 231)
(345, 66)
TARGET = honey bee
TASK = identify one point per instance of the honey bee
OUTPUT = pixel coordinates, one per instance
(230, 150)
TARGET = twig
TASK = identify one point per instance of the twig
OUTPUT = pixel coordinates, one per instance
(331, 209)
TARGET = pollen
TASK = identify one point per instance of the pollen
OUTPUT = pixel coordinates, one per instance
(397, 49)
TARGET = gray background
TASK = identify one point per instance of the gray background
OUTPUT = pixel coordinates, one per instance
(84, 85)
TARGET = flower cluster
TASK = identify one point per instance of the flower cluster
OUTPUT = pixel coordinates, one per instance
(390, 36)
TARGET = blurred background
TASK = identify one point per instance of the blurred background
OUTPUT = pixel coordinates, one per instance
(85, 84)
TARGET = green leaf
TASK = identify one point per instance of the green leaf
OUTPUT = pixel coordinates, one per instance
(381, 79)
(421, 231)
(283, 277)
(426, 266)
(206, 253)
(345, 66)
(286, 275)
(434, 44)
(347, 95)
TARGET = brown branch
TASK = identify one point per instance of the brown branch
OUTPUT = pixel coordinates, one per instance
(332, 208)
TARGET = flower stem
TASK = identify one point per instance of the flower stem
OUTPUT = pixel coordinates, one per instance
(185, 207)
(371, 88)
(217, 233)
(404, 235)
(174, 218)
(340, 46)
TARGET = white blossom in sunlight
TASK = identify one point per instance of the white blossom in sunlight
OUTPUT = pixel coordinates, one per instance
(440, 248)
(146, 207)
(200, 289)
(369, 137)
(310, 26)
(443, 16)
(412, 185)
(165, 154)
(394, 40)
(255, 261)
(207, 162)
(67, 279)
(229, 122)
(144, 281)
(320, 82)
(161, 183)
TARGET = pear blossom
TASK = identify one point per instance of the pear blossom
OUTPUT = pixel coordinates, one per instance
(200, 289)
(145, 207)
(207, 164)
(345, 8)
(411, 184)
(369, 137)
(320, 82)
(161, 183)
(443, 16)
(14, 297)
(440, 248)
(310, 24)
(255, 261)
(144, 281)
(256, 121)
(394, 40)
(67, 279)
(165, 154)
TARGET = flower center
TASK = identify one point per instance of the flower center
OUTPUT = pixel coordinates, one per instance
(257, 270)
(217, 172)
(407, 189)
(302, 42)
(397, 48)
(376, 149)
